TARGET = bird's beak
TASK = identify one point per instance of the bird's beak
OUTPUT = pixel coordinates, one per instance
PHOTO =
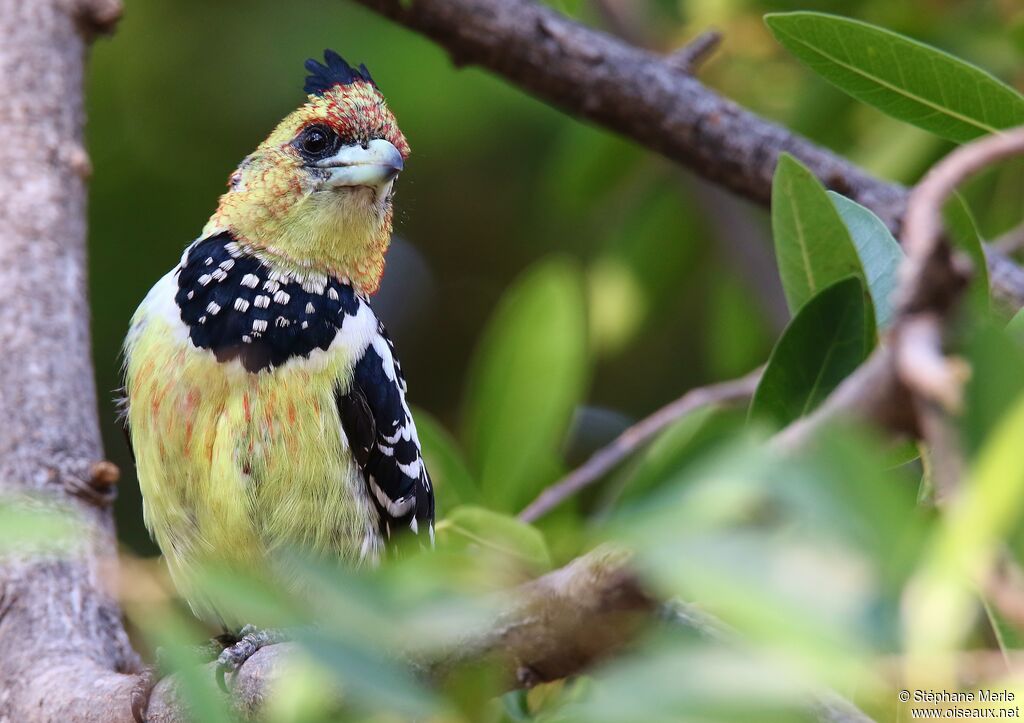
(375, 166)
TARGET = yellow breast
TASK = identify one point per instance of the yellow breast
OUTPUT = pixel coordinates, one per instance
(235, 465)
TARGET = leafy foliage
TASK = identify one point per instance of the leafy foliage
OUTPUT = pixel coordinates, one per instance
(812, 244)
(527, 377)
(908, 80)
(879, 254)
(827, 339)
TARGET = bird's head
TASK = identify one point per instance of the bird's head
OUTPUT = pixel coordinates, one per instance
(317, 193)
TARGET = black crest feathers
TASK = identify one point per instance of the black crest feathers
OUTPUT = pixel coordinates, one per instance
(336, 72)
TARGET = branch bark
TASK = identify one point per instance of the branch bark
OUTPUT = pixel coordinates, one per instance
(634, 92)
(62, 644)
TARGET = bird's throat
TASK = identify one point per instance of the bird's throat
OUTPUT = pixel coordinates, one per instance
(347, 241)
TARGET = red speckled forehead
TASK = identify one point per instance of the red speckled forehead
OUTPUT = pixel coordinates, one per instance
(357, 112)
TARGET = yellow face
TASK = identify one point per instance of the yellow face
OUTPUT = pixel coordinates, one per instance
(317, 193)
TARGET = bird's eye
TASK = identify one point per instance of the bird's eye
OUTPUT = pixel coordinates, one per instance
(314, 142)
(317, 142)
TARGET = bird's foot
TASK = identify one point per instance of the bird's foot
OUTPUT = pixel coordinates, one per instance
(141, 692)
(250, 639)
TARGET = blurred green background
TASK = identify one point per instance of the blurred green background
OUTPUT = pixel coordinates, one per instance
(680, 278)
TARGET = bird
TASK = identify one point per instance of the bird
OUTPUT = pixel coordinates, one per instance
(263, 401)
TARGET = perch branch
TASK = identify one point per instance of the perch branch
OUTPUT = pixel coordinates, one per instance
(931, 279)
(548, 629)
(606, 458)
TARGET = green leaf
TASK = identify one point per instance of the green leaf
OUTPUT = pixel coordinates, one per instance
(370, 677)
(941, 602)
(683, 443)
(1015, 327)
(1007, 636)
(527, 376)
(996, 381)
(812, 246)
(822, 344)
(726, 531)
(691, 683)
(32, 526)
(911, 81)
(880, 254)
(452, 482)
(492, 533)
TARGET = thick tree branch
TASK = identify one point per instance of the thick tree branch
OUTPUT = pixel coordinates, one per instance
(643, 96)
(62, 644)
(547, 629)
(590, 74)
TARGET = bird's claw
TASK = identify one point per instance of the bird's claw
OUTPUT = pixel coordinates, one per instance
(250, 639)
(141, 692)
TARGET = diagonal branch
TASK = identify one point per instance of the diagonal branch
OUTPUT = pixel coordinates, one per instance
(645, 97)
(592, 75)
(606, 458)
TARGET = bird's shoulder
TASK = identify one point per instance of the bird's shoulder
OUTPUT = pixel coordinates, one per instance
(240, 307)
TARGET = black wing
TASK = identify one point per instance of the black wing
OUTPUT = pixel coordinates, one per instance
(382, 437)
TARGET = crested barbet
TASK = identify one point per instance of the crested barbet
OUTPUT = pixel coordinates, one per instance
(263, 400)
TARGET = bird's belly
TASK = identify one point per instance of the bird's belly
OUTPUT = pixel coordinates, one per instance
(236, 466)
